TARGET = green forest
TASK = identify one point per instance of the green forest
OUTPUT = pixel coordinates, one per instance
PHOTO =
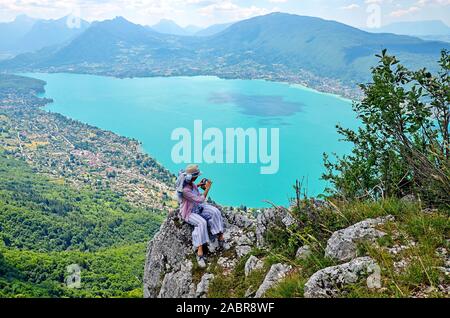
(46, 225)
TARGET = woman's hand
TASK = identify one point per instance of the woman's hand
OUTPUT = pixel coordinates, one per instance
(207, 187)
(202, 184)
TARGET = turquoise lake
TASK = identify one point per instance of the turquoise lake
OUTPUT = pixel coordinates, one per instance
(149, 109)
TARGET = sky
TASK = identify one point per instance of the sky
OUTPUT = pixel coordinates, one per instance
(358, 13)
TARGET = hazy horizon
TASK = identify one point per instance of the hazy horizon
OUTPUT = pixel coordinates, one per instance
(206, 26)
(204, 13)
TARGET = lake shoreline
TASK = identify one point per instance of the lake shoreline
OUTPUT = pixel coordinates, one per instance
(225, 196)
(353, 95)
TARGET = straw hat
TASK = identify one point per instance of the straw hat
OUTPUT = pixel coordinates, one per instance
(193, 170)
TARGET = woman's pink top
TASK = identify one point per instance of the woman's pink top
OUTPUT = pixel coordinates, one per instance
(191, 197)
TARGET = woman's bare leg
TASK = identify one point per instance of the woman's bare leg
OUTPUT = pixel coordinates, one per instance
(200, 250)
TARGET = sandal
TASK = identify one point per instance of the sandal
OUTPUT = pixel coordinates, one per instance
(201, 261)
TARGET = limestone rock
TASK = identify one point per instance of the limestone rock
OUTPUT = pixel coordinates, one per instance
(226, 263)
(409, 198)
(268, 219)
(239, 230)
(276, 273)
(328, 282)
(443, 253)
(178, 284)
(342, 244)
(250, 292)
(243, 250)
(303, 252)
(203, 286)
(252, 264)
(166, 252)
(239, 219)
(171, 248)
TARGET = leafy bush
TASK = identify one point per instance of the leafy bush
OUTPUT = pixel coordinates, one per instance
(402, 145)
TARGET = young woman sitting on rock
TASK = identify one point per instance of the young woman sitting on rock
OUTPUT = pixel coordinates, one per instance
(196, 212)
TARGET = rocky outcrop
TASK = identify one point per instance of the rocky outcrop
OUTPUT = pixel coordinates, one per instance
(252, 264)
(268, 220)
(168, 267)
(171, 258)
(166, 254)
(303, 252)
(330, 281)
(276, 273)
(227, 264)
(342, 246)
(243, 250)
(239, 232)
(443, 253)
(203, 286)
(178, 283)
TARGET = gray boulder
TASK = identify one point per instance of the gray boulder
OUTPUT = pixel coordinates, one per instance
(239, 219)
(243, 250)
(276, 273)
(203, 286)
(252, 264)
(328, 282)
(166, 253)
(239, 232)
(269, 219)
(178, 284)
(303, 252)
(342, 245)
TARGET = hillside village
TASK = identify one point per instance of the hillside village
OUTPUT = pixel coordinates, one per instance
(81, 154)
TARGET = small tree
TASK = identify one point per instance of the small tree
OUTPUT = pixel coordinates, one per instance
(402, 144)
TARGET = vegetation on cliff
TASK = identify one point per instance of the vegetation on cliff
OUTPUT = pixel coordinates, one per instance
(408, 254)
(46, 225)
(399, 167)
(403, 144)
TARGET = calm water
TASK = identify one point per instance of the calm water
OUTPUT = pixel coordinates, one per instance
(148, 109)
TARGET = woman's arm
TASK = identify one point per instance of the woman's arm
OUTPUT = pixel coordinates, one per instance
(189, 195)
(207, 188)
(197, 198)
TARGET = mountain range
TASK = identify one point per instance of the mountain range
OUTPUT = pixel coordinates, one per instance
(170, 27)
(10, 32)
(213, 29)
(276, 46)
(26, 34)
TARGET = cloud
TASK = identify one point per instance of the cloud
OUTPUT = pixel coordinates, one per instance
(229, 10)
(403, 12)
(352, 6)
(423, 3)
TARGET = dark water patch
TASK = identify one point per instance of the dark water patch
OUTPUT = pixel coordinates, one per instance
(257, 105)
(273, 122)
